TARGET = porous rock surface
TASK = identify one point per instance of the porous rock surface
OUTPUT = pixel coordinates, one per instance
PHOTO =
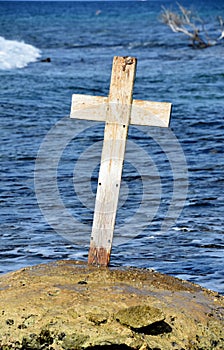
(68, 305)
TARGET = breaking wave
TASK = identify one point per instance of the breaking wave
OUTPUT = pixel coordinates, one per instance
(15, 54)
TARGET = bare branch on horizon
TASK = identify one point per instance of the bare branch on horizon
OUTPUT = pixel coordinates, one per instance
(184, 21)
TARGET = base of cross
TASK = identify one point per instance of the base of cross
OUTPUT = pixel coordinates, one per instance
(118, 111)
(98, 256)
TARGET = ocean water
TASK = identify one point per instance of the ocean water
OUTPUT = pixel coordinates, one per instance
(170, 215)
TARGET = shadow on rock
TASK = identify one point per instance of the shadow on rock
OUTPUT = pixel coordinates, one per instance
(156, 328)
(110, 347)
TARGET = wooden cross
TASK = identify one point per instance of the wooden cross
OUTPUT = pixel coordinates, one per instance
(118, 110)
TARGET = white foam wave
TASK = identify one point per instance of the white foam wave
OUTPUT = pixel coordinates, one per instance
(16, 54)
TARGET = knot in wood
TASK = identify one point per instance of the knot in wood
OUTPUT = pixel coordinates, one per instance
(127, 61)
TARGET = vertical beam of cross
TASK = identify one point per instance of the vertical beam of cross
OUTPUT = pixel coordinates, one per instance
(115, 136)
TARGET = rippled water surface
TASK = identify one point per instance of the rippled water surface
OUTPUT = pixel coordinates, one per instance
(170, 215)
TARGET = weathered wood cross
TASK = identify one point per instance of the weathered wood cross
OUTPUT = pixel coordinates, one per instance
(118, 111)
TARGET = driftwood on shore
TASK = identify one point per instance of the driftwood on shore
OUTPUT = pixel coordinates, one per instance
(185, 21)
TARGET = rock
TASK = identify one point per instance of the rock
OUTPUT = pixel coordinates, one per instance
(74, 341)
(34, 341)
(139, 316)
(98, 318)
(68, 305)
(46, 60)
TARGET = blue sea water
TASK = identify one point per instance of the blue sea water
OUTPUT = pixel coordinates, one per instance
(170, 215)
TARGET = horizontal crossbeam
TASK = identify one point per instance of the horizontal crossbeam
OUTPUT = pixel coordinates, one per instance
(142, 112)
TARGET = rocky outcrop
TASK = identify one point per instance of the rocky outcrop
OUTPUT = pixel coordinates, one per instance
(68, 305)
